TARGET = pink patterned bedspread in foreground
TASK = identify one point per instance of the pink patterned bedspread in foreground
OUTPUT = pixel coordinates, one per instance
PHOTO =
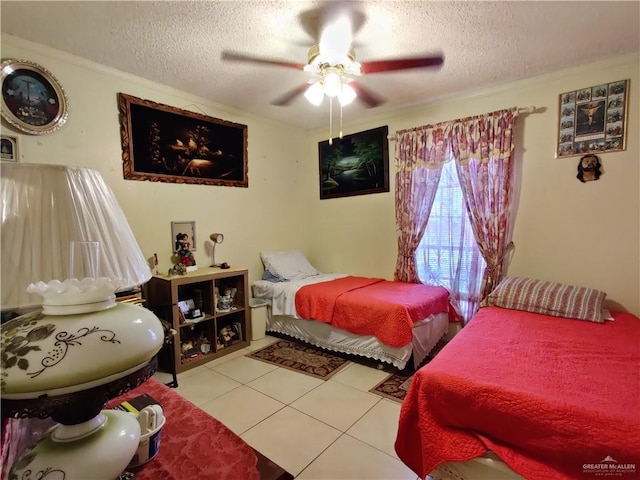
(552, 397)
(193, 443)
(372, 306)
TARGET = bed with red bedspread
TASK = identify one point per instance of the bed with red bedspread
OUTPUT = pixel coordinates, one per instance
(552, 397)
(371, 317)
(372, 306)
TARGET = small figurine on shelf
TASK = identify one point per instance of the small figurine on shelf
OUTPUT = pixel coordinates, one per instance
(178, 269)
(225, 301)
(205, 345)
(188, 350)
(227, 336)
(182, 250)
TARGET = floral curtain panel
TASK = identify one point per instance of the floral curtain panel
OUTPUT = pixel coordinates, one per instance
(420, 154)
(483, 148)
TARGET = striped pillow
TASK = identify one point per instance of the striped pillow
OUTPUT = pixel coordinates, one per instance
(548, 298)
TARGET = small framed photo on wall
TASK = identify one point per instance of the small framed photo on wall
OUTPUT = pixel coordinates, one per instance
(9, 148)
(183, 228)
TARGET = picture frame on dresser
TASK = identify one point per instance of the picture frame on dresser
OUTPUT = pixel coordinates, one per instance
(188, 227)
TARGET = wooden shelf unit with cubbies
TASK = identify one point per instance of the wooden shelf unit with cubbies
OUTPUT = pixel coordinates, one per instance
(225, 331)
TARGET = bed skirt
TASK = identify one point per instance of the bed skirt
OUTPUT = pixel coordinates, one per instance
(426, 334)
(486, 467)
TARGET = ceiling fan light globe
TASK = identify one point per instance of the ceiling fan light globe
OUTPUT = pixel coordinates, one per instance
(332, 84)
(347, 95)
(315, 94)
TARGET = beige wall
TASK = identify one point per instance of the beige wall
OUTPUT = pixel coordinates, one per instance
(267, 215)
(566, 231)
(587, 234)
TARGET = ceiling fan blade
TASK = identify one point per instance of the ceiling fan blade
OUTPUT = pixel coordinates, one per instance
(366, 96)
(335, 40)
(241, 57)
(313, 20)
(288, 97)
(401, 64)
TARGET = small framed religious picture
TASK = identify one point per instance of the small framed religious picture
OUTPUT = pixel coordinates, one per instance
(9, 148)
(593, 119)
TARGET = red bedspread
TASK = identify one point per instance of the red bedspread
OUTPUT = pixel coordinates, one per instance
(372, 306)
(548, 395)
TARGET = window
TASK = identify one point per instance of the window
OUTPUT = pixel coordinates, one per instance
(448, 254)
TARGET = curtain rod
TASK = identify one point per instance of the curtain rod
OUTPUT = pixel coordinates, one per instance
(531, 109)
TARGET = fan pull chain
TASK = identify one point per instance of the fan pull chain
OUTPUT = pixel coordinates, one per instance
(330, 120)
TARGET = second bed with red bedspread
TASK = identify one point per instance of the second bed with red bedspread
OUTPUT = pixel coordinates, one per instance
(550, 396)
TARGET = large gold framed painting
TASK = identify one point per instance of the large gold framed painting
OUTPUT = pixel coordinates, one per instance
(593, 119)
(161, 143)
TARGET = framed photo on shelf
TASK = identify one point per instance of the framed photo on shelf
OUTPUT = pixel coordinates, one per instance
(32, 99)
(188, 228)
(161, 143)
(593, 119)
(357, 164)
(9, 148)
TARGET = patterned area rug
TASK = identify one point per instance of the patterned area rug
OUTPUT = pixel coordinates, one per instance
(394, 387)
(300, 358)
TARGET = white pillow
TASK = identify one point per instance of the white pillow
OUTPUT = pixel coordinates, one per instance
(289, 265)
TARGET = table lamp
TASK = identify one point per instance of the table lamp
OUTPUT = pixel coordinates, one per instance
(66, 250)
(216, 238)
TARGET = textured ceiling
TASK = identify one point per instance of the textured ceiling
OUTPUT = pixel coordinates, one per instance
(180, 43)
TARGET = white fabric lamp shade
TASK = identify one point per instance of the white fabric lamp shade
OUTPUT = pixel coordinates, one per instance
(44, 209)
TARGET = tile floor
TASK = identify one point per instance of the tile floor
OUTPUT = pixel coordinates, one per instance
(315, 429)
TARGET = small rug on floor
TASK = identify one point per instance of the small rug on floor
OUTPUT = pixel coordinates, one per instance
(394, 387)
(300, 358)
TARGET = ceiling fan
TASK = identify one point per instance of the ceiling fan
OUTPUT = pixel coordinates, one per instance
(332, 61)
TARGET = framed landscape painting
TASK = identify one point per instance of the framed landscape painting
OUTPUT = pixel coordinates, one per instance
(357, 164)
(161, 143)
